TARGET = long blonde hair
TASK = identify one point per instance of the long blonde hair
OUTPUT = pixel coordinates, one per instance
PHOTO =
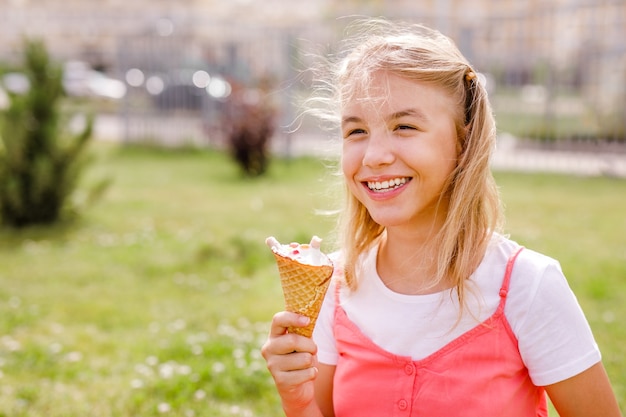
(422, 54)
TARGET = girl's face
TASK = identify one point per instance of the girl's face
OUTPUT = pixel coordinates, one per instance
(399, 148)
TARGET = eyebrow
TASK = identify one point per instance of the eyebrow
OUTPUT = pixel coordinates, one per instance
(408, 112)
(396, 115)
(351, 119)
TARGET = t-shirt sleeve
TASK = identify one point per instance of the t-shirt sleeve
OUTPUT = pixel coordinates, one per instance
(323, 334)
(555, 339)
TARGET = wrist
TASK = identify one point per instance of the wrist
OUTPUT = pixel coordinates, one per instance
(302, 410)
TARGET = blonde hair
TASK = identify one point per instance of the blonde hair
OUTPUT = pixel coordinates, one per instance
(422, 54)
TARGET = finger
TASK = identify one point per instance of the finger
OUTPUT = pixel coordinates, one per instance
(290, 379)
(286, 319)
(296, 361)
(287, 344)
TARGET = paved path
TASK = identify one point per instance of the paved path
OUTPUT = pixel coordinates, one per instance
(508, 156)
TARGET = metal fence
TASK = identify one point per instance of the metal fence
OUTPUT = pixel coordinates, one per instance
(552, 86)
(180, 85)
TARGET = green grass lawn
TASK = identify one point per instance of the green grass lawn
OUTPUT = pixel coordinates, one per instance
(157, 301)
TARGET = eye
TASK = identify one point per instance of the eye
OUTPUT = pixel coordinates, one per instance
(354, 132)
(405, 127)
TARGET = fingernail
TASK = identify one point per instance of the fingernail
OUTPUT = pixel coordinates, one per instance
(304, 320)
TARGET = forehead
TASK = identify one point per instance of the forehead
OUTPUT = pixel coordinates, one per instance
(386, 92)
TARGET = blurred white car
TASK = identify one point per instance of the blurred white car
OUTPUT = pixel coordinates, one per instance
(80, 80)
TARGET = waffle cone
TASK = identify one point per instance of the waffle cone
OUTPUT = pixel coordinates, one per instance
(304, 288)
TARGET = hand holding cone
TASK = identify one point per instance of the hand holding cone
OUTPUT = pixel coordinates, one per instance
(305, 274)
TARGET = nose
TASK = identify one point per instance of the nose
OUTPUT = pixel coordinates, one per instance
(380, 150)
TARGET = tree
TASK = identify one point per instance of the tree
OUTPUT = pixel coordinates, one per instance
(40, 160)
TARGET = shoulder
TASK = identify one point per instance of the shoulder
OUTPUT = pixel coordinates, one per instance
(529, 268)
(536, 279)
(553, 334)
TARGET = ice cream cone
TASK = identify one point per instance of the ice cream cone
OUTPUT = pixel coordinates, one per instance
(304, 287)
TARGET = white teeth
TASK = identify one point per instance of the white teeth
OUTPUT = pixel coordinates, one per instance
(386, 185)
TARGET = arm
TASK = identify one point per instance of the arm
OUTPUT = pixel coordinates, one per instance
(324, 389)
(292, 362)
(587, 394)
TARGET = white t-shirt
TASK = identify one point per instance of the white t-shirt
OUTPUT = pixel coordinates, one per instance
(555, 340)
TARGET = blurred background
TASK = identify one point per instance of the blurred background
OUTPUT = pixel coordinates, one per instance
(164, 71)
(157, 300)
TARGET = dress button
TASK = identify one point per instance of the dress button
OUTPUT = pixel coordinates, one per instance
(409, 369)
(403, 404)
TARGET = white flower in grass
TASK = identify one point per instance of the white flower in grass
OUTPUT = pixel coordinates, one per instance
(144, 370)
(219, 367)
(184, 370)
(56, 328)
(241, 363)
(152, 360)
(74, 356)
(608, 317)
(196, 338)
(164, 408)
(11, 344)
(227, 330)
(55, 348)
(256, 353)
(177, 325)
(238, 353)
(199, 395)
(166, 370)
(238, 411)
(136, 383)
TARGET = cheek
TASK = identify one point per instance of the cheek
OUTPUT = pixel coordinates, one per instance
(350, 165)
(350, 161)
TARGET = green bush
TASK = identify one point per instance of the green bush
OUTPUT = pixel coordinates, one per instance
(40, 161)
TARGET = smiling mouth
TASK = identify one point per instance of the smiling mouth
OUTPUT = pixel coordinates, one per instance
(386, 186)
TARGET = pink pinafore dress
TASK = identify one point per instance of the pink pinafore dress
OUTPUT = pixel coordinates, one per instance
(479, 374)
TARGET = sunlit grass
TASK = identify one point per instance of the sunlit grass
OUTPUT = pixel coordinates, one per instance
(157, 301)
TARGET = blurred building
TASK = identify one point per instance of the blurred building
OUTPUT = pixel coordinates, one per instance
(558, 44)
(94, 30)
(510, 31)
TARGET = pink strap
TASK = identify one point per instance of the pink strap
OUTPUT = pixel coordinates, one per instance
(507, 274)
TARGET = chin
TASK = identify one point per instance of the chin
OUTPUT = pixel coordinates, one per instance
(387, 220)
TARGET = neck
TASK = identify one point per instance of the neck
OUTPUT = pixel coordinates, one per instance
(407, 261)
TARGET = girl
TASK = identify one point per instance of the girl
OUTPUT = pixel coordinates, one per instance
(432, 311)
